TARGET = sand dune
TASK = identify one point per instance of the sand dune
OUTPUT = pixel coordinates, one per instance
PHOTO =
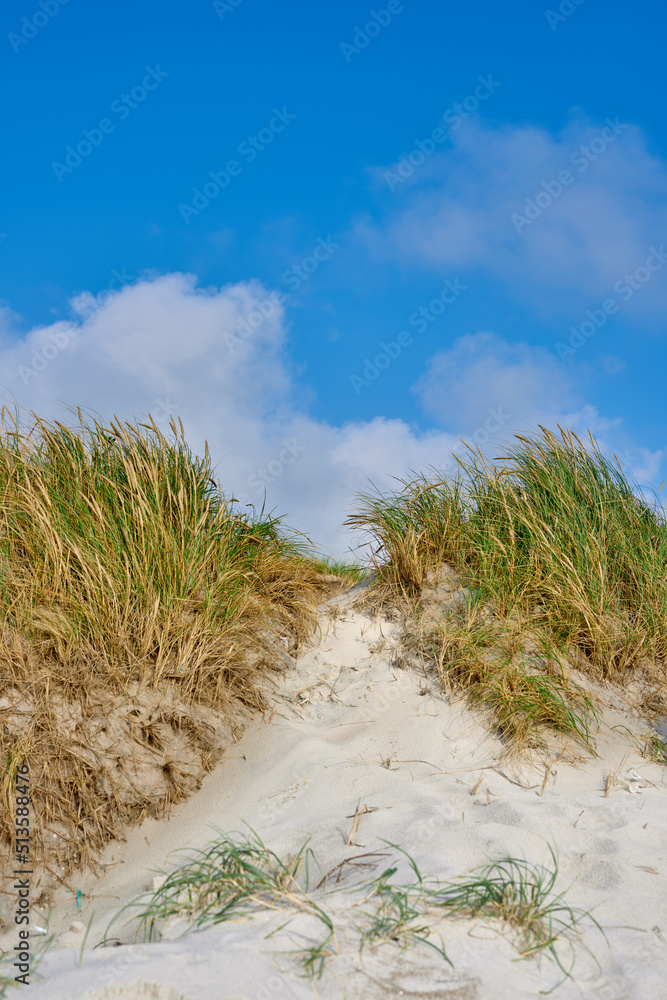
(353, 733)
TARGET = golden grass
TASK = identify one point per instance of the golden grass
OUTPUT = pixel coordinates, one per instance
(140, 615)
(552, 535)
(507, 674)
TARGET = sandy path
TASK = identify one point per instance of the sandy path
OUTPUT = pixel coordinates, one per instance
(352, 728)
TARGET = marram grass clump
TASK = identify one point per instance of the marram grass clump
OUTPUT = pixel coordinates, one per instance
(234, 877)
(140, 615)
(551, 540)
(238, 876)
(520, 690)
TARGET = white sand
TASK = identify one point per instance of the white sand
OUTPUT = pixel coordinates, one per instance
(351, 727)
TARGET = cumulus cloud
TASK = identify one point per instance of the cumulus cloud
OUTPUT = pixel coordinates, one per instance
(488, 390)
(483, 372)
(497, 199)
(216, 358)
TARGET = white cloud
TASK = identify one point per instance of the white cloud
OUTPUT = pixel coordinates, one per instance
(483, 371)
(483, 381)
(162, 346)
(456, 211)
(488, 390)
(166, 346)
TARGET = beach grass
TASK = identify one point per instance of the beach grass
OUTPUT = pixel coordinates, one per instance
(520, 895)
(655, 749)
(239, 876)
(555, 545)
(124, 570)
(402, 908)
(236, 876)
(485, 657)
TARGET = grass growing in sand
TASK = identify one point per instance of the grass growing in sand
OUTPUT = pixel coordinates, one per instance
(484, 656)
(235, 877)
(520, 895)
(562, 558)
(239, 876)
(139, 613)
(655, 749)
(402, 907)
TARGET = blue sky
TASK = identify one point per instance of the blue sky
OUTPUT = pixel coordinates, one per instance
(492, 294)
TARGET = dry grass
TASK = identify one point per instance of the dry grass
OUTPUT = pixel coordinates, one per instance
(140, 615)
(524, 694)
(558, 553)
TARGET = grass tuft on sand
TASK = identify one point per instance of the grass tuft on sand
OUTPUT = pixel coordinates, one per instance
(239, 876)
(140, 617)
(561, 558)
(236, 876)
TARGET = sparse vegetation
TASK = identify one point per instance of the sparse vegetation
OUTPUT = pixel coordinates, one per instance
(562, 558)
(402, 910)
(236, 876)
(655, 749)
(520, 895)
